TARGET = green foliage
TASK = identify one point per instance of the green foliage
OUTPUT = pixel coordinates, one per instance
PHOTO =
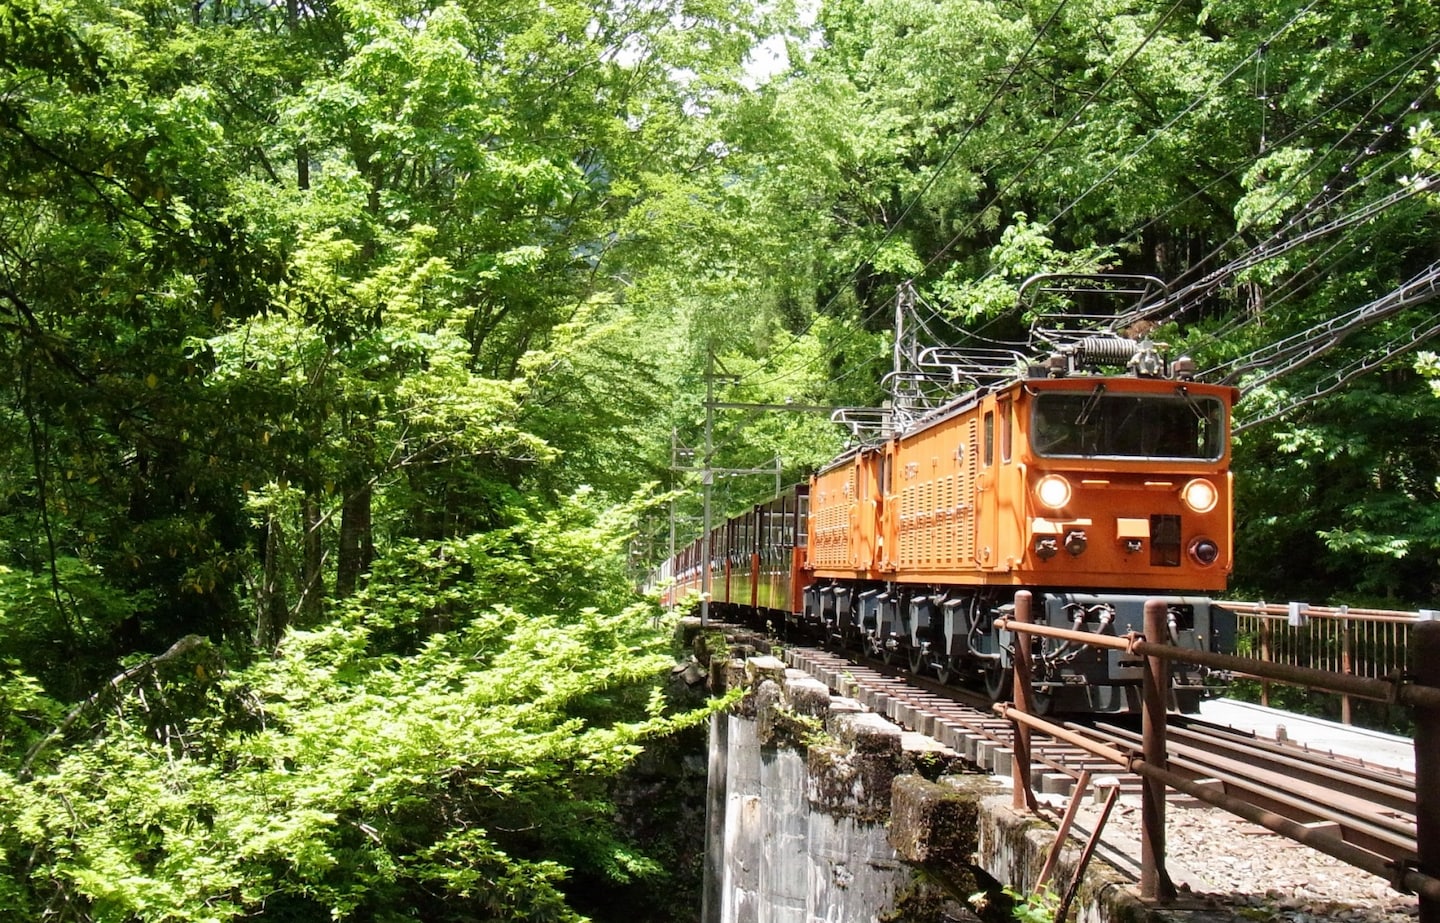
(357, 333)
(464, 775)
(314, 316)
(1035, 908)
(1039, 907)
(464, 778)
(57, 621)
(1024, 250)
(1348, 503)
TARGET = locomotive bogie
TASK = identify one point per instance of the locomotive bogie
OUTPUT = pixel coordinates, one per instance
(1072, 673)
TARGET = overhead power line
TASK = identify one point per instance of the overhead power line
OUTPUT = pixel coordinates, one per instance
(1331, 192)
(1059, 133)
(1301, 350)
(1276, 246)
(1298, 350)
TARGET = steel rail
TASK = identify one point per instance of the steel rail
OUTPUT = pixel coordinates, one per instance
(1393, 790)
(1360, 820)
(1379, 774)
(1363, 843)
(1402, 877)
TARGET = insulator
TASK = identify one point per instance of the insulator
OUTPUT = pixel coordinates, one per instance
(1106, 349)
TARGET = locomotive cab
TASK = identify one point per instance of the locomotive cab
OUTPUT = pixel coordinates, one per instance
(1122, 482)
(1121, 491)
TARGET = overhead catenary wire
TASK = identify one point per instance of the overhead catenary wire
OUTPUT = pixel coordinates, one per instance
(1241, 320)
(1278, 241)
(1049, 144)
(1327, 197)
(1303, 348)
(1414, 62)
(1174, 120)
(1054, 138)
(1200, 99)
(1406, 341)
(1298, 350)
(1409, 66)
(1058, 133)
(1270, 249)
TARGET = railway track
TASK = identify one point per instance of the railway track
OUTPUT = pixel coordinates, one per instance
(1333, 798)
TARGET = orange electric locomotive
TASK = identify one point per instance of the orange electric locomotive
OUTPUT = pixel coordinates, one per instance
(1093, 491)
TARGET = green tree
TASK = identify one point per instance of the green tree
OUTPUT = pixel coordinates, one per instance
(468, 775)
(302, 306)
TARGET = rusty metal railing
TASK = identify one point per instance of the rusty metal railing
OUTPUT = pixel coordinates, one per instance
(1373, 643)
(1422, 692)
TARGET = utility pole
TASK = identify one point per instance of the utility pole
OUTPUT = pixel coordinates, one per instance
(708, 471)
(674, 462)
(906, 359)
(706, 477)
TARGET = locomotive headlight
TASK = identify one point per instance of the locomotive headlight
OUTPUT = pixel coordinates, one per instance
(1053, 491)
(1200, 495)
(1204, 552)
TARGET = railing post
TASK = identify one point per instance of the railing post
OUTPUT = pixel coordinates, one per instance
(1347, 665)
(1266, 638)
(1426, 639)
(1022, 797)
(1155, 883)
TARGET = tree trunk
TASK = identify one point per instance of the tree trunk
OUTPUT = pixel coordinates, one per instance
(356, 545)
(312, 595)
(274, 614)
(302, 153)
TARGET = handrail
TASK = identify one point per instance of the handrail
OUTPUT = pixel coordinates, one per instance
(1263, 609)
(1344, 639)
(1155, 775)
(1399, 689)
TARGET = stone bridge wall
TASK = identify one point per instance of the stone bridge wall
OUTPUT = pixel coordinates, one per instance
(821, 812)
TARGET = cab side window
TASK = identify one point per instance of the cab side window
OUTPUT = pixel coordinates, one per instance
(1006, 415)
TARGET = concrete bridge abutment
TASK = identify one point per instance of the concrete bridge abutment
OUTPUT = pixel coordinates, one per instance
(819, 811)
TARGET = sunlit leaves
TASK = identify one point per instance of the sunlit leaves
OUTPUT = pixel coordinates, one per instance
(1274, 185)
(462, 775)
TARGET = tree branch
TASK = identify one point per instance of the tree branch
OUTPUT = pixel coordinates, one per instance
(179, 649)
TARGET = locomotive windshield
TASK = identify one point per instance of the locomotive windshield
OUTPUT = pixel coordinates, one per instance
(1094, 424)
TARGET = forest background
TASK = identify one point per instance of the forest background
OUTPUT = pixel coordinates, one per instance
(352, 346)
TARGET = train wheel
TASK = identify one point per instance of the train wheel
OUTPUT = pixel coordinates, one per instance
(999, 682)
(947, 669)
(917, 660)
